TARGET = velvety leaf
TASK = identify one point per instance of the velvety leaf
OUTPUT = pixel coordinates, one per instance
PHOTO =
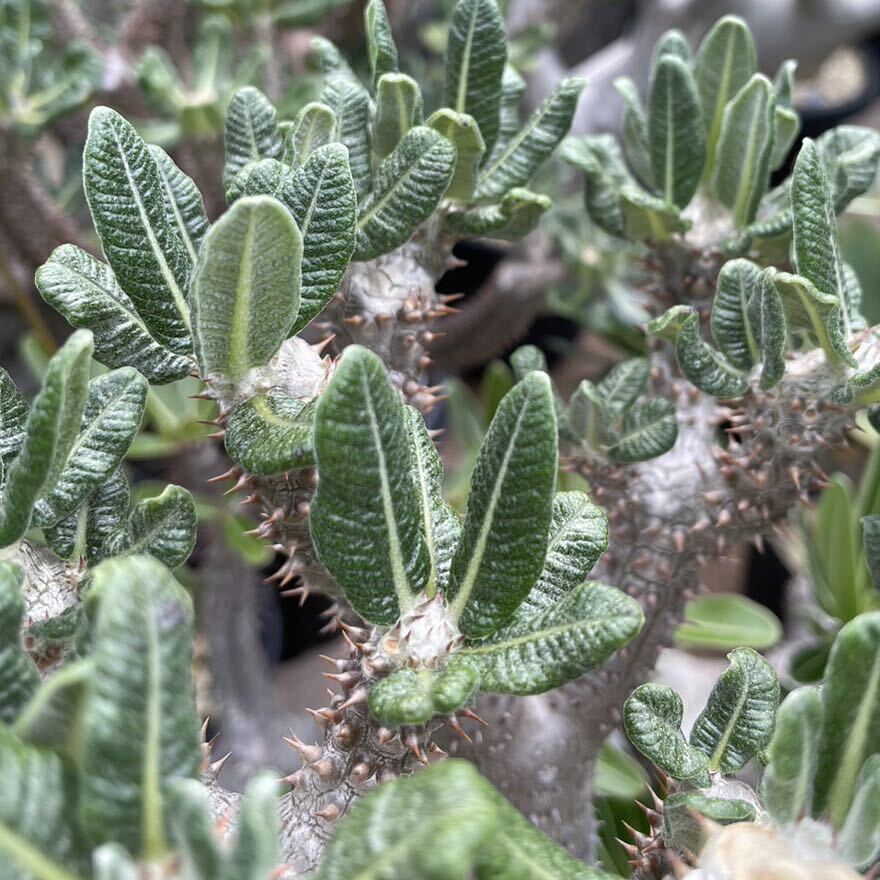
(381, 49)
(533, 144)
(741, 170)
(578, 633)
(163, 526)
(50, 432)
(786, 126)
(783, 83)
(140, 730)
(18, 675)
(13, 418)
(517, 215)
(704, 366)
(464, 133)
(366, 517)
(271, 433)
(246, 288)
(184, 203)
(440, 522)
(727, 621)
(85, 291)
(647, 218)
(513, 87)
(814, 226)
(871, 535)
(404, 697)
(110, 420)
(672, 42)
(740, 714)
(409, 185)
(675, 132)
(787, 783)
(814, 316)
(476, 55)
(504, 537)
(267, 177)
(38, 837)
(256, 853)
(849, 155)
(578, 537)
(315, 126)
(527, 358)
(623, 384)
(767, 320)
(379, 838)
(738, 280)
(399, 107)
(126, 196)
(251, 132)
(598, 156)
(646, 431)
(455, 686)
(635, 130)
(683, 824)
(350, 102)
(851, 713)
(652, 720)
(726, 60)
(322, 199)
(859, 841)
(107, 511)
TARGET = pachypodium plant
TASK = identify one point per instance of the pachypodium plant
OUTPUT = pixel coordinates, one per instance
(820, 779)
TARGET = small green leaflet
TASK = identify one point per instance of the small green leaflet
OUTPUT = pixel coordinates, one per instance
(635, 130)
(398, 108)
(859, 841)
(381, 48)
(740, 714)
(646, 431)
(675, 132)
(314, 126)
(516, 216)
(476, 55)
(251, 132)
(464, 133)
(767, 319)
(576, 634)
(504, 537)
(127, 199)
(409, 185)
(704, 366)
(245, 293)
(366, 517)
(738, 281)
(350, 102)
(13, 418)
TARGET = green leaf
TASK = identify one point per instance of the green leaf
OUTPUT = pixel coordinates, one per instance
(682, 829)
(251, 132)
(350, 102)
(704, 366)
(184, 200)
(271, 434)
(380, 840)
(381, 49)
(38, 836)
(256, 853)
(646, 431)
(455, 687)
(859, 842)
(783, 83)
(724, 622)
(814, 227)
(409, 185)
(635, 130)
(513, 87)
(527, 358)
(578, 633)
(516, 216)
(740, 714)
(504, 537)
(815, 316)
(163, 526)
(50, 432)
(786, 126)
(267, 177)
(404, 697)
(871, 533)
(578, 537)
(647, 218)
(674, 43)
(85, 291)
(623, 384)
(13, 418)
(849, 155)
(726, 61)
(767, 319)
(476, 55)
(675, 132)
(652, 720)
(599, 157)
(464, 133)
(246, 288)
(533, 144)
(742, 161)
(322, 198)
(107, 511)
(126, 196)
(18, 675)
(192, 827)
(440, 522)
(738, 281)
(110, 420)
(140, 726)
(315, 126)
(366, 518)
(787, 783)
(398, 108)
(851, 711)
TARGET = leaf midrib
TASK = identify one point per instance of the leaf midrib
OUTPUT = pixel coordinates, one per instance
(240, 327)
(153, 825)
(727, 734)
(465, 69)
